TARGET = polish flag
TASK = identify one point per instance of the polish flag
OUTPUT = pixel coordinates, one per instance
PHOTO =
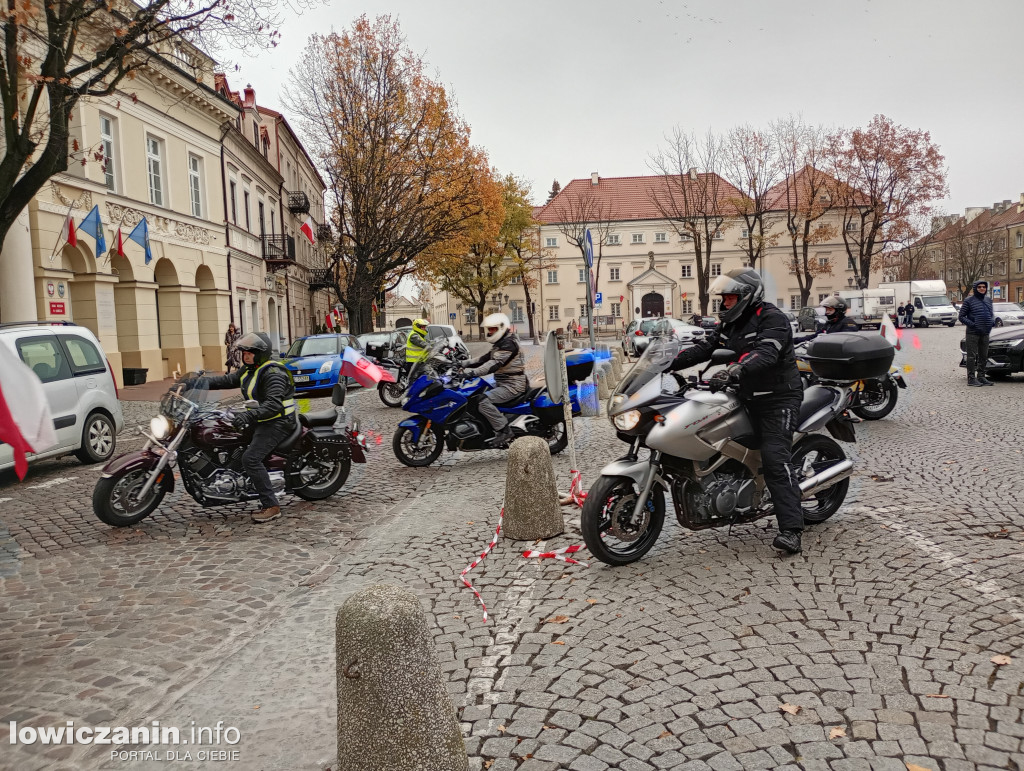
(120, 244)
(887, 331)
(307, 230)
(362, 370)
(330, 320)
(21, 395)
(68, 232)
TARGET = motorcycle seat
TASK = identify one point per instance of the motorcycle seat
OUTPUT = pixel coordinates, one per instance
(322, 418)
(513, 401)
(815, 398)
(290, 441)
(533, 393)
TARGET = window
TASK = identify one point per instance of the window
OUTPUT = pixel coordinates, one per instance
(44, 357)
(849, 263)
(638, 238)
(552, 276)
(273, 219)
(583, 311)
(661, 238)
(263, 228)
(822, 296)
(266, 147)
(1020, 240)
(745, 233)
(851, 227)
(256, 134)
(582, 277)
(195, 185)
(794, 302)
(613, 274)
(612, 239)
(245, 206)
(518, 315)
(718, 235)
(552, 313)
(823, 262)
(107, 143)
(616, 310)
(687, 271)
(471, 315)
(516, 280)
(155, 170)
(1020, 266)
(550, 241)
(716, 305)
(686, 306)
(85, 359)
(233, 186)
(716, 269)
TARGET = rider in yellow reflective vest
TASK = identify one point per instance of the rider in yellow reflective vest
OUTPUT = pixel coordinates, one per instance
(270, 384)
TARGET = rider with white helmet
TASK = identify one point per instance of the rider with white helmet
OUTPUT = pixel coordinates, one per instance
(508, 364)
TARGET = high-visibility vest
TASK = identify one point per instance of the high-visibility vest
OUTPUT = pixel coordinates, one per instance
(414, 352)
(248, 381)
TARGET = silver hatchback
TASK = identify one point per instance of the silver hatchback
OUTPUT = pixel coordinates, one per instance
(79, 387)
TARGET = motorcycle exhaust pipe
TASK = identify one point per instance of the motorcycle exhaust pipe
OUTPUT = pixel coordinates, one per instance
(826, 478)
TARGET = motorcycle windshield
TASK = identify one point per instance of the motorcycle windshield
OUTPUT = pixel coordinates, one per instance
(643, 381)
(428, 366)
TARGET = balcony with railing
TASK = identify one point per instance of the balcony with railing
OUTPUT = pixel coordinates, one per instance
(298, 202)
(278, 250)
(323, 232)
(321, 278)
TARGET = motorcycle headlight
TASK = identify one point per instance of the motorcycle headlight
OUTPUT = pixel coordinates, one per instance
(160, 427)
(326, 367)
(627, 420)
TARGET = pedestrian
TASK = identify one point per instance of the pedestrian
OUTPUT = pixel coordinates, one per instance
(976, 314)
(908, 322)
(899, 316)
(234, 356)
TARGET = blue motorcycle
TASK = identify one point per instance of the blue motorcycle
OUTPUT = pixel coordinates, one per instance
(445, 413)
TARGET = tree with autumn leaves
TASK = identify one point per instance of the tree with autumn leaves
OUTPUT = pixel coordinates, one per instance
(56, 54)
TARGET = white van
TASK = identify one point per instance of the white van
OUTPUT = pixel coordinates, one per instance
(79, 387)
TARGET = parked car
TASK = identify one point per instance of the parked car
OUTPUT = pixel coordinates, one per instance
(1005, 352)
(634, 340)
(793, 321)
(79, 386)
(385, 345)
(315, 360)
(677, 329)
(811, 319)
(1008, 314)
(447, 332)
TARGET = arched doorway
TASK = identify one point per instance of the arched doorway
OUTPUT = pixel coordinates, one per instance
(403, 322)
(211, 335)
(652, 304)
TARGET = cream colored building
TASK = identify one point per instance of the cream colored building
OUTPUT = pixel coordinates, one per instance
(162, 141)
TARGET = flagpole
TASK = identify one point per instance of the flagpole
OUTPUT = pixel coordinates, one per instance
(53, 253)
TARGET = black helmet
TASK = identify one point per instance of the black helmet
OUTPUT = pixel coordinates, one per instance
(836, 303)
(746, 284)
(256, 343)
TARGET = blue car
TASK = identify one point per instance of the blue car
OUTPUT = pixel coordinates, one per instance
(315, 361)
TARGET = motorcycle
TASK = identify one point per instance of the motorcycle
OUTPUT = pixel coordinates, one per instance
(313, 462)
(703, 453)
(445, 413)
(873, 398)
(391, 393)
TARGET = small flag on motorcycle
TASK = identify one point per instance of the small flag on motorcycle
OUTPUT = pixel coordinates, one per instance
(362, 370)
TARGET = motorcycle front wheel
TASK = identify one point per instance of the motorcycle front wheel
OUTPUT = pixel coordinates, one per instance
(417, 454)
(812, 455)
(882, 407)
(116, 502)
(607, 521)
(391, 393)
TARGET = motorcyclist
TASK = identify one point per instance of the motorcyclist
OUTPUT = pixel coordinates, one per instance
(768, 381)
(270, 384)
(506, 361)
(835, 316)
(416, 345)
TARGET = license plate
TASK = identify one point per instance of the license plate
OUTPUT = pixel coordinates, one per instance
(301, 378)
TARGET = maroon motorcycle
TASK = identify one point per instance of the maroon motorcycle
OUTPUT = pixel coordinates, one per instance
(313, 462)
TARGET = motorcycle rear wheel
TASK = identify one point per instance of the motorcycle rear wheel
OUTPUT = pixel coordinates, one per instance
(823, 452)
(890, 393)
(557, 437)
(114, 499)
(328, 486)
(615, 497)
(391, 393)
(426, 452)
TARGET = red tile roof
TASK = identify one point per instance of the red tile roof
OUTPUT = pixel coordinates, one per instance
(783, 196)
(625, 198)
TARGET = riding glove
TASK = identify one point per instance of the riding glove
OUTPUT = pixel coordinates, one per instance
(725, 377)
(241, 420)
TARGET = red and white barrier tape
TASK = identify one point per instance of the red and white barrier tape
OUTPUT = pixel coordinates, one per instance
(576, 493)
(480, 559)
(558, 554)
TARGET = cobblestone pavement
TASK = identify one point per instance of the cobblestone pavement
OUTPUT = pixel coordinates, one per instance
(882, 632)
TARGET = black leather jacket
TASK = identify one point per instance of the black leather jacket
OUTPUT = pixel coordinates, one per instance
(763, 342)
(839, 323)
(274, 390)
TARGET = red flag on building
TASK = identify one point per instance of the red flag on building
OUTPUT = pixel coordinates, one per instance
(330, 320)
(67, 233)
(307, 230)
(120, 244)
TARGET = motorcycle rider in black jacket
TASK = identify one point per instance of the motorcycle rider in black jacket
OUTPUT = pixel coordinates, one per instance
(835, 315)
(270, 384)
(769, 385)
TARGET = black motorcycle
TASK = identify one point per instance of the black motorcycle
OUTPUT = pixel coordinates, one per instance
(873, 398)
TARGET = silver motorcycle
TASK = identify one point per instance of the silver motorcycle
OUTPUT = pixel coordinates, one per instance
(701, 448)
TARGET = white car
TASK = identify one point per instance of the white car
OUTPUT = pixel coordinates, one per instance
(447, 332)
(1008, 314)
(79, 387)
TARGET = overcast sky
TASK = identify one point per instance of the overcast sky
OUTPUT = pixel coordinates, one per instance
(561, 88)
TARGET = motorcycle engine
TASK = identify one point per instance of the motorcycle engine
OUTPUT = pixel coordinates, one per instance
(219, 477)
(715, 499)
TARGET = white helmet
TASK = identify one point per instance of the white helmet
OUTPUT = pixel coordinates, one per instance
(495, 327)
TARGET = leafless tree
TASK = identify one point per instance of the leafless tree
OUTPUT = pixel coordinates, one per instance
(753, 164)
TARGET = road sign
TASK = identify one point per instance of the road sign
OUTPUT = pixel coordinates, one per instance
(452, 316)
(588, 249)
(598, 298)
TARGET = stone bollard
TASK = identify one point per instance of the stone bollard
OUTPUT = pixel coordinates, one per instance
(588, 399)
(603, 371)
(393, 707)
(531, 497)
(616, 367)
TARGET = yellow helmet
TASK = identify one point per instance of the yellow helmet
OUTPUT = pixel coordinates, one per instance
(420, 325)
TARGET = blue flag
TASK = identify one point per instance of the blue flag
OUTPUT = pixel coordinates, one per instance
(140, 235)
(93, 225)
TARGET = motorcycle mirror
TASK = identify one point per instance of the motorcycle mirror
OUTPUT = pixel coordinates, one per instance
(723, 356)
(338, 394)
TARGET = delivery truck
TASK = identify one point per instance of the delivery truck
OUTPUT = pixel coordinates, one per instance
(929, 298)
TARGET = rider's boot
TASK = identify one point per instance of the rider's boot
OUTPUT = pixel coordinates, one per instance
(788, 541)
(501, 439)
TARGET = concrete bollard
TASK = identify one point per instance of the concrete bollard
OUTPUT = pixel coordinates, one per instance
(603, 391)
(588, 399)
(393, 707)
(531, 497)
(616, 367)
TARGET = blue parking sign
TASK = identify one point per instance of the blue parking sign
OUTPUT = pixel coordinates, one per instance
(598, 297)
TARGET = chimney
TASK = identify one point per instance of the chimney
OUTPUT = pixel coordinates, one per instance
(692, 173)
(250, 96)
(594, 179)
(1020, 206)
